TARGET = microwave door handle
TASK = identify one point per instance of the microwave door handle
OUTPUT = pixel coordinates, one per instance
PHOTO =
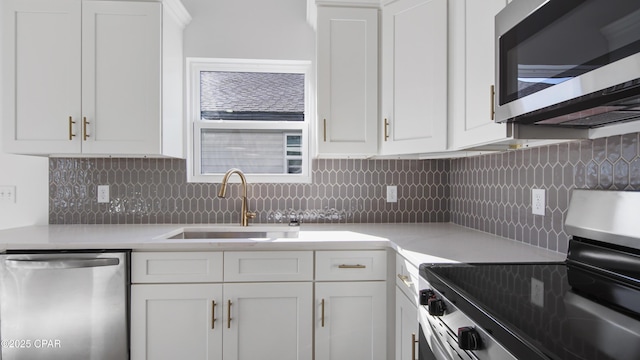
(45, 264)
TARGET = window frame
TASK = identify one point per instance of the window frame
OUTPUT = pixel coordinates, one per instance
(195, 124)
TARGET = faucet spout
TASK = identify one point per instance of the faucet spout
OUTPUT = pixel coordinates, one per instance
(245, 214)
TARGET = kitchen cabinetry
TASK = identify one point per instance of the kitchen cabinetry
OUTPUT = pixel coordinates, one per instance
(414, 77)
(176, 309)
(248, 318)
(93, 77)
(406, 310)
(268, 321)
(350, 290)
(347, 81)
(174, 321)
(472, 53)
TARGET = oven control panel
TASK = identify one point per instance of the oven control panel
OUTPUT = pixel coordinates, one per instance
(453, 335)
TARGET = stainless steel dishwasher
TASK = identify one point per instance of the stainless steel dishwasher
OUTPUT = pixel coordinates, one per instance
(65, 305)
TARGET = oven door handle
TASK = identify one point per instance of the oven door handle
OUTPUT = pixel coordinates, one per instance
(62, 263)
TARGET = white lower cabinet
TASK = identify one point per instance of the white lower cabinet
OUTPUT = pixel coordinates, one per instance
(351, 305)
(183, 308)
(351, 320)
(406, 327)
(176, 321)
(223, 305)
(406, 309)
(270, 321)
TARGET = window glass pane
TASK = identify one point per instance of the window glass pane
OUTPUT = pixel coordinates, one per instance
(254, 96)
(252, 151)
(294, 166)
(294, 140)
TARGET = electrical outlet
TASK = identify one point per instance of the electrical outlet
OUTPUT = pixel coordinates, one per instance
(8, 194)
(537, 292)
(538, 201)
(103, 193)
(392, 193)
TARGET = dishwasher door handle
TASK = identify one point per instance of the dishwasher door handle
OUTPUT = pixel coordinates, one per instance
(62, 263)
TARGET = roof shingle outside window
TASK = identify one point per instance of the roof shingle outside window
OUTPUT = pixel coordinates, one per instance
(251, 96)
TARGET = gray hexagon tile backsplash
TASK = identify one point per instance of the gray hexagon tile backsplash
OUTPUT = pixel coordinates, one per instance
(154, 191)
(492, 192)
(489, 192)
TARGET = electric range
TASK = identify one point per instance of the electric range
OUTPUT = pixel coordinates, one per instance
(587, 307)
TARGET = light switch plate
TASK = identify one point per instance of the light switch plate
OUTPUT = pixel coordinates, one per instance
(103, 193)
(538, 201)
(8, 194)
(392, 193)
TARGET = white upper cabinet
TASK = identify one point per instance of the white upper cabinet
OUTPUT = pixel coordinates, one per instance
(414, 77)
(472, 53)
(121, 59)
(86, 77)
(41, 75)
(347, 42)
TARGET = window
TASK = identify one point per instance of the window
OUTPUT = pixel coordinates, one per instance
(251, 115)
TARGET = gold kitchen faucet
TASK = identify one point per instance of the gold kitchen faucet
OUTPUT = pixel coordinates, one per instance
(245, 214)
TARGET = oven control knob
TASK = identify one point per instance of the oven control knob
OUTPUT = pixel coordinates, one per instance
(436, 307)
(425, 295)
(469, 338)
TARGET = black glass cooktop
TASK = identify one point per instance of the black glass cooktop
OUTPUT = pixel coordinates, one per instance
(544, 310)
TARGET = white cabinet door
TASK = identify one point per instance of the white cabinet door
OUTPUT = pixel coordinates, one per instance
(472, 54)
(347, 81)
(406, 327)
(85, 77)
(121, 74)
(41, 76)
(176, 321)
(268, 321)
(351, 321)
(414, 76)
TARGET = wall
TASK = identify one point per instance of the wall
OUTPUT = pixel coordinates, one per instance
(29, 175)
(492, 193)
(153, 191)
(249, 29)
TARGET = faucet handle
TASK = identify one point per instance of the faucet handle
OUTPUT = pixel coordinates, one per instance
(251, 215)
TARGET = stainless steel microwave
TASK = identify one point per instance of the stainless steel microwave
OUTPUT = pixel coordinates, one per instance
(570, 63)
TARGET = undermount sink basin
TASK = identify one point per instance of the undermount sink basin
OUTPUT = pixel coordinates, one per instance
(235, 233)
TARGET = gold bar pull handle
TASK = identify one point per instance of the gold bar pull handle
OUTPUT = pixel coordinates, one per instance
(413, 346)
(84, 128)
(229, 314)
(386, 129)
(347, 266)
(71, 134)
(493, 103)
(324, 130)
(322, 318)
(213, 314)
(405, 280)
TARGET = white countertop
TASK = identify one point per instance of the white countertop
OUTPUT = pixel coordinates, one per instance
(419, 243)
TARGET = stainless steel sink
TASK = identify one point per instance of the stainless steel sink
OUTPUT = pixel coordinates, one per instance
(237, 233)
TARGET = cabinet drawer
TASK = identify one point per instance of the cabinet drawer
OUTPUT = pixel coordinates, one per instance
(351, 265)
(170, 267)
(407, 278)
(268, 266)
